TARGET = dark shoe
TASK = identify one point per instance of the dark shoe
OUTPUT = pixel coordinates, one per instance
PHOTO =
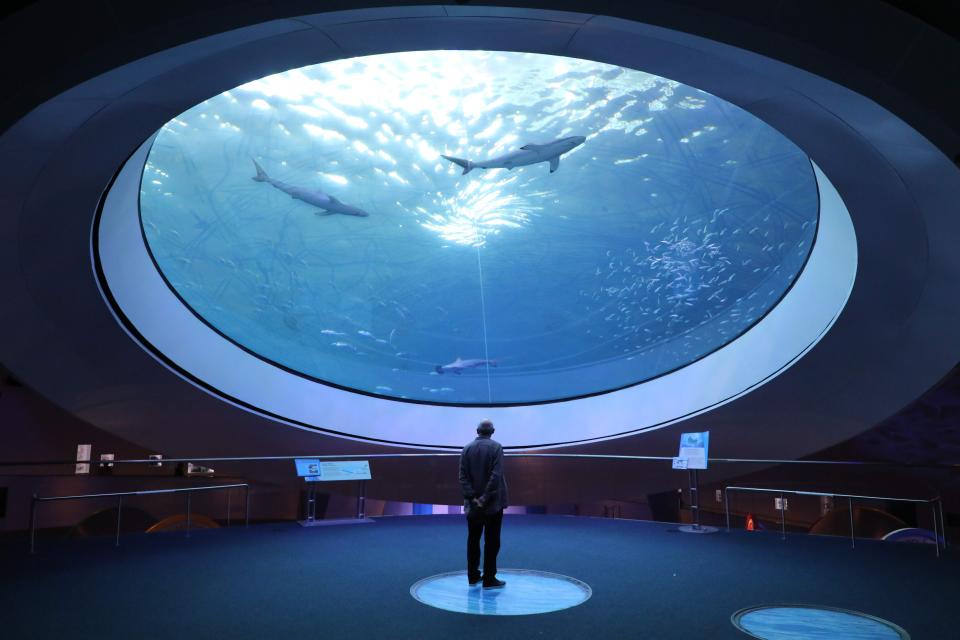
(474, 581)
(494, 584)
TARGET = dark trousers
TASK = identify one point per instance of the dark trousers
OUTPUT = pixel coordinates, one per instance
(488, 525)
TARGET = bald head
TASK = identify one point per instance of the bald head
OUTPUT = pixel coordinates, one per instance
(485, 428)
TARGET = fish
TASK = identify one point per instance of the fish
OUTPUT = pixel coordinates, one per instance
(331, 332)
(458, 365)
(527, 154)
(317, 198)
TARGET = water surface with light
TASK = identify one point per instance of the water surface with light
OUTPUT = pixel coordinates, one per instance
(673, 228)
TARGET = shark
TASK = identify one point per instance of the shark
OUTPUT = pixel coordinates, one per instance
(317, 198)
(458, 365)
(526, 155)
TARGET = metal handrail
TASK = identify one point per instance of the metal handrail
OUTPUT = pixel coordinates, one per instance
(509, 454)
(37, 500)
(936, 509)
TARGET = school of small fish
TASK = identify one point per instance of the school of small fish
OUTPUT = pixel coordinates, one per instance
(328, 296)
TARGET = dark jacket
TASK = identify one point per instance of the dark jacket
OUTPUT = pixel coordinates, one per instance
(481, 474)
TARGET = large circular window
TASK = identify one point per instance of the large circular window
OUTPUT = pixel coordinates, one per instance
(476, 227)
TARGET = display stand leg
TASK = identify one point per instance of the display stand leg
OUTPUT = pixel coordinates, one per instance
(783, 519)
(696, 527)
(361, 500)
(853, 538)
(311, 503)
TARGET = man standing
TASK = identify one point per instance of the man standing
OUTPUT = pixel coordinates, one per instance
(484, 499)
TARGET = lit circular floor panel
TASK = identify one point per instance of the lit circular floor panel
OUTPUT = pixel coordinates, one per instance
(527, 592)
(793, 622)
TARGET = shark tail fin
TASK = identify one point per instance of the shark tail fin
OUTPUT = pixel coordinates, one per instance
(438, 369)
(261, 174)
(466, 164)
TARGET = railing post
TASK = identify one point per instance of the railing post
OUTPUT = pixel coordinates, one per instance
(943, 523)
(726, 506)
(310, 508)
(694, 494)
(853, 539)
(119, 510)
(936, 529)
(33, 523)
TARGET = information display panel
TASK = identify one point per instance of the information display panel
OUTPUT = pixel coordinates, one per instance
(307, 467)
(313, 470)
(694, 449)
(344, 470)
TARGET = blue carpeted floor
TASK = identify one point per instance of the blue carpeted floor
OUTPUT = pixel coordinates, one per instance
(283, 581)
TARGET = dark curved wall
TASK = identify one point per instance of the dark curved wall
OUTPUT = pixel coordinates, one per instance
(877, 49)
(897, 60)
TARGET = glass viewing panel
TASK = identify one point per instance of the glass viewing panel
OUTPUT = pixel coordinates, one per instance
(476, 227)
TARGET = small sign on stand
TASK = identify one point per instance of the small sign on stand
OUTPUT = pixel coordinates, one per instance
(106, 463)
(693, 456)
(694, 447)
(312, 470)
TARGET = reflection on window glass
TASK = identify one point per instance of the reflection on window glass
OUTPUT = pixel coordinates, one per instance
(476, 227)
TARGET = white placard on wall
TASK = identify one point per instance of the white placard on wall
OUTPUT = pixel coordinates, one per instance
(83, 458)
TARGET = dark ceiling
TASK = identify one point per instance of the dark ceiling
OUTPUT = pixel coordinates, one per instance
(872, 47)
(904, 55)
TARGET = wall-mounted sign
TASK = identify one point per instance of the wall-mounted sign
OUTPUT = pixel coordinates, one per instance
(83, 458)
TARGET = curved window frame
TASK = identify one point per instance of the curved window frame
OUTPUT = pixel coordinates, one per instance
(586, 369)
(190, 347)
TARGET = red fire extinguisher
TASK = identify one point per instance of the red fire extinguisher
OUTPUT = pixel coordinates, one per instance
(751, 525)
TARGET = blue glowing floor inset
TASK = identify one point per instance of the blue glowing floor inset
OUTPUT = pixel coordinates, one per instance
(526, 592)
(814, 623)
